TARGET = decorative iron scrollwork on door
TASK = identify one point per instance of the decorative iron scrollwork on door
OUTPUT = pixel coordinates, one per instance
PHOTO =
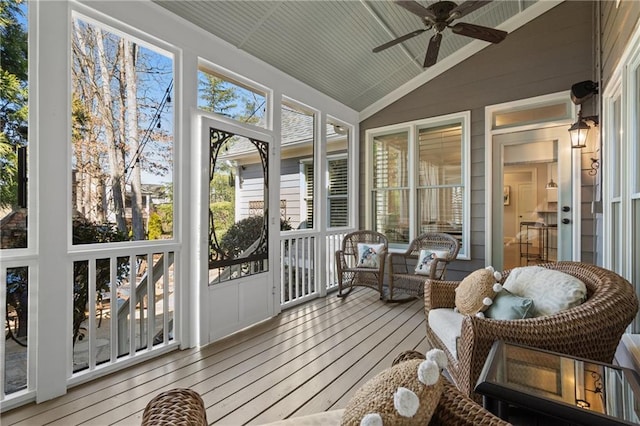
(238, 179)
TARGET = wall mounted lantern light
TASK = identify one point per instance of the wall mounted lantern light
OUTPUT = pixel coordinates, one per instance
(580, 129)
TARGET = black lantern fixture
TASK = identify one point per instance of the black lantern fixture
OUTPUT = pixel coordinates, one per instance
(580, 130)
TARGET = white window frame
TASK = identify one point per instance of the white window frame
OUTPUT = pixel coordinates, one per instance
(89, 16)
(412, 128)
(333, 157)
(620, 246)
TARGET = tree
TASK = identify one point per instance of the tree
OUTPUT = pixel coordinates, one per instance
(13, 97)
(242, 234)
(218, 96)
(117, 132)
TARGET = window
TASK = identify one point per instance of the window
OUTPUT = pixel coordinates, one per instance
(440, 191)
(122, 136)
(338, 196)
(337, 174)
(391, 186)
(418, 179)
(14, 81)
(297, 182)
(15, 293)
(233, 99)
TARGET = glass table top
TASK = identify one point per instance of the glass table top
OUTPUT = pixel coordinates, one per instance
(605, 389)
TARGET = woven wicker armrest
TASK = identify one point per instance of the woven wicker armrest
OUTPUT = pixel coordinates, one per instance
(175, 407)
(398, 262)
(340, 260)
(439, 294)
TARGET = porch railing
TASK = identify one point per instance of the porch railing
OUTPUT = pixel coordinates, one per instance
(129, 299)
(301, 277)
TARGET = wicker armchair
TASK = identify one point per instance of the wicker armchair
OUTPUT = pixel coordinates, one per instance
(183, 407)
(402, 277)
(591, 330)
(349, 274)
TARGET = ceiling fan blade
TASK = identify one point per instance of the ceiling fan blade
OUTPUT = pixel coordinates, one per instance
(476, 31)
(398, 40)
(417, 9)
(466, 8)
(432, 51)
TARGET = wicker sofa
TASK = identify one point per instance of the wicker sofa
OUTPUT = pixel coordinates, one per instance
(590, 330)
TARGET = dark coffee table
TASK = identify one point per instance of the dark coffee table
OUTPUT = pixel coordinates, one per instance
(574, 390)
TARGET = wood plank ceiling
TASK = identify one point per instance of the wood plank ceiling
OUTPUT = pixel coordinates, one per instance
(327, 44)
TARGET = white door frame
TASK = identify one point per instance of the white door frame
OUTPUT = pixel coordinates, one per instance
(239, 288)
(572, 175)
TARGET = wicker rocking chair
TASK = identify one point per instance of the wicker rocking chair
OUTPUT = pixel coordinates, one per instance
(351, 271)
(402, 275)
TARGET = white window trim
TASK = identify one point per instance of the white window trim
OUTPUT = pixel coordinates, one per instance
(412, 128)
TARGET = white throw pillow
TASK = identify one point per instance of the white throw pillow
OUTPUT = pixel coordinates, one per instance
(369, 255)
(551, 291)
(423, 267)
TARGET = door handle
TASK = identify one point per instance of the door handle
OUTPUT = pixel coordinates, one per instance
(566, 221)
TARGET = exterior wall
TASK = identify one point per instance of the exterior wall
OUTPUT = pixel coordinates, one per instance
(547, 55)
(617, 23)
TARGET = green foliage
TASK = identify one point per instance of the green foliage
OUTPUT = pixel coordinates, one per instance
(13, 97)
(155, 226)
(165, 212)
(8, 174)
(224, 97)
(217, 94)
(242, 234)
(221, 188)
(223, 213)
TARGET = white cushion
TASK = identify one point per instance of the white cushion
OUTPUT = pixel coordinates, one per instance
(423, 267)
(551, 291)
(447, 325)
(369, 255)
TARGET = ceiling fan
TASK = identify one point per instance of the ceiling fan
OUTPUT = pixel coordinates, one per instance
(439, 16)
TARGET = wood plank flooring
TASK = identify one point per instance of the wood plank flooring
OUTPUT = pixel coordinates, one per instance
(308, 359)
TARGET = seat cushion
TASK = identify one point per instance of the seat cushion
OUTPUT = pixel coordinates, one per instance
(326, 418)
(447, 325)
(551, 291)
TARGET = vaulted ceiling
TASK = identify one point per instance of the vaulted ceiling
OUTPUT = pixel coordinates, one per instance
(328, 44)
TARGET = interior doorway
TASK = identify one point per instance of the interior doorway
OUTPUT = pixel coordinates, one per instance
(532, 189)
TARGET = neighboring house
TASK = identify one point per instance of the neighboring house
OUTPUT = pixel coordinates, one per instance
(535, 66)
(297, 172)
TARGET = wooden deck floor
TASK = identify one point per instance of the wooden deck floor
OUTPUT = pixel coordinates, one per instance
(308, 359)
